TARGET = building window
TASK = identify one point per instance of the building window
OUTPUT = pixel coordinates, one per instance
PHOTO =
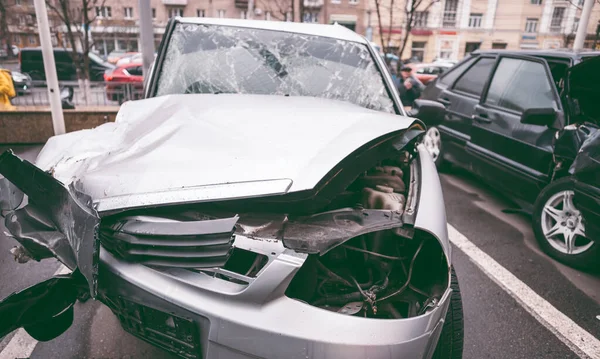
(103, 11)
(311, 17)
(31, 40)
(220, 13)
(498, 45)
(471, 46)
(531, 25)
(417, 50)
(420, 19)
(353, 2)
(128, 12)
(557, 19)
(288, 16)
(175, 11)
(575, 25)
(154, 13)
(200, 13)
(336, 1)
(268, 16)
(536, 2)
(450, 8)
(475, 20)
(22, 20)
(17, 39)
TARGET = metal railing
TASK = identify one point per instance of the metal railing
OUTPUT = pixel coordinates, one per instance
(101, 93)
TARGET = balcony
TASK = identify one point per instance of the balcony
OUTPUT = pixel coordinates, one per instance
(175, 2)
(313, 4)
(241, 4)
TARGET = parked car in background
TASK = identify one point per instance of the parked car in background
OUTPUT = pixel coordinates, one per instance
(32, 63)
(428, 72)
(116, 55)
(209, 207)
(23, 82)
(124, 83)
(130, 58)
(518, 119)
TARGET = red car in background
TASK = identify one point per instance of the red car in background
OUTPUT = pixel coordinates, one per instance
(125, 83)
(429, 72)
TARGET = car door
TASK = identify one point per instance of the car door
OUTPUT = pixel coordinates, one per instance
(460, 100)
(511, 155)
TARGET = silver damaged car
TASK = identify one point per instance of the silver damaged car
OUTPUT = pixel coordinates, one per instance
(268, 198)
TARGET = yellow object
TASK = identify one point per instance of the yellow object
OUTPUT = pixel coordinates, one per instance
(7, 89)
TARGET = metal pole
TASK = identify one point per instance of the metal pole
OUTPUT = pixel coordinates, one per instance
(250, 9)
(58, 122)
(146, 35)
(583, 24)
(597, 36)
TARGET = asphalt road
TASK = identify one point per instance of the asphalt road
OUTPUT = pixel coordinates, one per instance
(496, 324)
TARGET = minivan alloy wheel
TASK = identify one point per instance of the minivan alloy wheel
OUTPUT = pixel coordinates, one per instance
(562, 224)
(433, 142)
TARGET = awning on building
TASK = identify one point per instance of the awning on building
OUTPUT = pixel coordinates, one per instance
(343, 18)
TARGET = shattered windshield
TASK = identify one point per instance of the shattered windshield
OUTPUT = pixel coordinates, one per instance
(222, 59)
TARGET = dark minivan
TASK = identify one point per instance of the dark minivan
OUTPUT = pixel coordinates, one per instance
(519, 120)
(32, 63)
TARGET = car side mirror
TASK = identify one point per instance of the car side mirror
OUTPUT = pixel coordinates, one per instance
(430, 112)
(539, 116)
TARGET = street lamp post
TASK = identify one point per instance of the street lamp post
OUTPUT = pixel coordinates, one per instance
(583, 24)
(58, 121)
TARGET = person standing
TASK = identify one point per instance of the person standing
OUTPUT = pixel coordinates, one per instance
(409, 87)
(7, 89)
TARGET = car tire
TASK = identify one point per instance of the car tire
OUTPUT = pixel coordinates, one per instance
(450, 344)
(584, 252)
(433, 143)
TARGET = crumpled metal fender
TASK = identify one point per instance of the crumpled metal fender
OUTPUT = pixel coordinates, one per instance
(58, 221)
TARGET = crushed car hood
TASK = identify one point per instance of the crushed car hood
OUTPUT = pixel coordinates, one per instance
(185, 148)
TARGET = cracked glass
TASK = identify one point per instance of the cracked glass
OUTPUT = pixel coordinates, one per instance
(213, 59)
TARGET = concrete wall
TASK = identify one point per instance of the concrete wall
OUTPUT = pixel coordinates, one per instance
(34, 125)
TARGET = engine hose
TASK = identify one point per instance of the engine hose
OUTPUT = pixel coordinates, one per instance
(339, 299)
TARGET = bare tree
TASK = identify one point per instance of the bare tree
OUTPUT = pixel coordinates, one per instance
(278, 8)
(77, 16)
(409, 15)
(380, 26)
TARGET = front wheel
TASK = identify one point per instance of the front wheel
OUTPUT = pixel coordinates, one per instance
(450, 344)
(433, 143)
(560, 228)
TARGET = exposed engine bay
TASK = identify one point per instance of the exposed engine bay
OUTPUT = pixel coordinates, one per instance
(364, 257)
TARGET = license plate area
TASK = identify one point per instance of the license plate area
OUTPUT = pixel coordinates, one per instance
(177, 335)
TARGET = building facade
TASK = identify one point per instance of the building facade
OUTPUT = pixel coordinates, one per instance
(450, 29)
(441, 28)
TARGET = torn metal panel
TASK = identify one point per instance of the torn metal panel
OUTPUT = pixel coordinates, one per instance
(69, 211)
(10, 196)
(587, 161)
(322, 232)
(45, 310)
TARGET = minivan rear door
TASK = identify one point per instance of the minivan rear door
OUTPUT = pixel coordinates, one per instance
(512, 155)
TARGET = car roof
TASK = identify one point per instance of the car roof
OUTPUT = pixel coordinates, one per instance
(335, 31)
(564, 53)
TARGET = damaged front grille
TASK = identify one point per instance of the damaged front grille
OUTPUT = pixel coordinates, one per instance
(171, 243)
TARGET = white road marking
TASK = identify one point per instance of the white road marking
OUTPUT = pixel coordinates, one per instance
(575, 337)
(21, 345)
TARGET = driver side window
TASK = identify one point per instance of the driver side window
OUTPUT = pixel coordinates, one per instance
(520, 84)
